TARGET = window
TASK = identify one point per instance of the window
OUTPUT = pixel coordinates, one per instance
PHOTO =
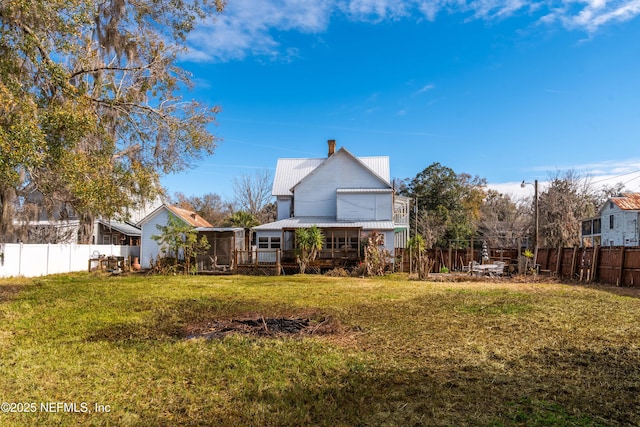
(106, 240)
(353, 242)
(611, 221)
(597, 226)
(328, 244)
(269, 242)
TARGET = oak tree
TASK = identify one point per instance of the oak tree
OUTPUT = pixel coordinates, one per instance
(448, 202)
(92, 110)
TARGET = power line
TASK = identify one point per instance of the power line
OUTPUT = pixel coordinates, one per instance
(617, 176)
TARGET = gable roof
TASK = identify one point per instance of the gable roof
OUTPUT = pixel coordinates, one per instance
(185, 215)
(627, 201)
(290, 172)
(189, 217)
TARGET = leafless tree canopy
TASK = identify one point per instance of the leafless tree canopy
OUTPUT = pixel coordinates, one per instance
(253, 192)
(502, 221)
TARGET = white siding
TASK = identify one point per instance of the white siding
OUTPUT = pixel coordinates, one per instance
(631, 228)
(625, 227)
(389, 239)
(149, 248)
(284, 207)
(316, 194)
(364, 207)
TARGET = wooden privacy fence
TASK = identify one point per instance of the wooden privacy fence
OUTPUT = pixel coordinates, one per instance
(614, 265)
(456, 259)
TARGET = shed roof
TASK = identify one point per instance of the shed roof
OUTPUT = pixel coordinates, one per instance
(122, 227)
(628, 201)
(187, 216)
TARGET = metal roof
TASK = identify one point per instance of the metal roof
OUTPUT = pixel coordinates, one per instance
(364, 190)
(219, 229)
(122, 227)
(324, 222)
(628, 201)
(289, 172)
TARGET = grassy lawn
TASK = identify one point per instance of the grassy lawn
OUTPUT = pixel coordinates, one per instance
(398, 352)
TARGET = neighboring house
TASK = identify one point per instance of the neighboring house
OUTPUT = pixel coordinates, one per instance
(61, 224)
(116, 233)
(223, 241)
(150, 249)
(617, 224)
(347, 197)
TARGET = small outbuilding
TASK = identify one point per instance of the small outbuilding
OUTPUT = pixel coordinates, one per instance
(149, 248)
(223, 241)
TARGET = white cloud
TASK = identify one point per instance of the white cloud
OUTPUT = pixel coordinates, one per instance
(375, 10)
(246, 26)
(426, 88)
(605, 173)
(250, 27)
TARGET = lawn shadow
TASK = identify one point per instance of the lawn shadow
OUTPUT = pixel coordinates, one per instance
(590, 389)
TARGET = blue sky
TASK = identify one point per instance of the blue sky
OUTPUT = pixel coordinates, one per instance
(506, 90)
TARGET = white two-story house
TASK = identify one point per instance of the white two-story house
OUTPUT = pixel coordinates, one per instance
(617, 224)
(346, 196)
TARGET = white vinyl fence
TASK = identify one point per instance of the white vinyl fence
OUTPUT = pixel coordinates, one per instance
(30, 260)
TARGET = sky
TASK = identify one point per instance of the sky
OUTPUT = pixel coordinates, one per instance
(507, 90)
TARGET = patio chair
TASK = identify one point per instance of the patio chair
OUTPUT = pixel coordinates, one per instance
(499, 269)
(473, 268)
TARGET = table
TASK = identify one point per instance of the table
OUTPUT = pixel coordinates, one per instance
(111, 263)
(484, 269)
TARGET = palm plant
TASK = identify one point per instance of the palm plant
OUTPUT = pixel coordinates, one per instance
(309, 242)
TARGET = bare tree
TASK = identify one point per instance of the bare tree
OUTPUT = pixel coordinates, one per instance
(429, 227)
(502, 220)
(209, 206)
(253, 193)
(568, 199)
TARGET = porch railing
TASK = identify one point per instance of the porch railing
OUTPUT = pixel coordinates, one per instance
(258, 257)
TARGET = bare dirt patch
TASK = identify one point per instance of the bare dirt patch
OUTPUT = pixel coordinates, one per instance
(8, 292)
(266, 327)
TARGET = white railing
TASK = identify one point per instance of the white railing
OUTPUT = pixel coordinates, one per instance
(32, 260)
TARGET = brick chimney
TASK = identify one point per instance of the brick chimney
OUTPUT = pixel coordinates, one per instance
(332, 147)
